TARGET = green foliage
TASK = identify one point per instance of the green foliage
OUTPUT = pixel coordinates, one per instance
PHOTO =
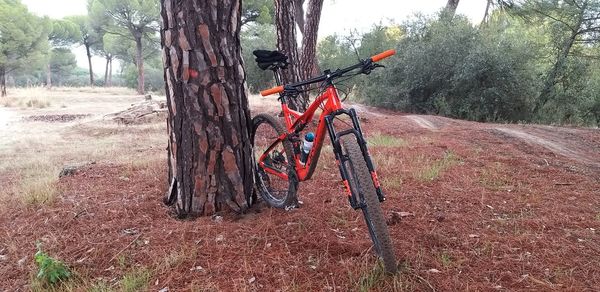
(64, 33)
(62, 64)
(23, 37)
(154, 79)
(253, 37)
(257, 11)
(129, 18)
(50, 270)
(334, 52)
(88, 35)
(447, 66)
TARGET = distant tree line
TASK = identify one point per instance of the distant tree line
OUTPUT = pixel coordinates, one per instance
(526, 61)
(38, 50)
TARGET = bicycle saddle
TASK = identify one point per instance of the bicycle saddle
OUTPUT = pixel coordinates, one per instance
(270, 59)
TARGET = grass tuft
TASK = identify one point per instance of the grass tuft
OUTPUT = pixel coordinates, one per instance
(371, 279)
(37, 185)
(434, 170)
(136, 280)
(382, 140)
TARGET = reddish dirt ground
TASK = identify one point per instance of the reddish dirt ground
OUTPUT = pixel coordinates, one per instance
(509, 212)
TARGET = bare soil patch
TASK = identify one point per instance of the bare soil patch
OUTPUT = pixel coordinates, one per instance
(489, 210)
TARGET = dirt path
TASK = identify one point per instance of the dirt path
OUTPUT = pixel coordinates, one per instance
(422, 121)
(554, 146)
(568, 142)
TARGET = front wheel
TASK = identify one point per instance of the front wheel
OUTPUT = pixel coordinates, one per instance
(359, 179)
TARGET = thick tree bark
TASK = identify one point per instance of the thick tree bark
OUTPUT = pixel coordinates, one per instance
(285, 23)
(286, 38)
(139, 61)
(2, 81)
(451, 6)
(210, 155)
(299, 10)
(308, 62)
(89, 56)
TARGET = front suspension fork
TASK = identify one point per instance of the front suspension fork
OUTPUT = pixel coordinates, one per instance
(355, 197)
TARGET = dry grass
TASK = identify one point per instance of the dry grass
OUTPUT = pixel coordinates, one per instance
(34, 155)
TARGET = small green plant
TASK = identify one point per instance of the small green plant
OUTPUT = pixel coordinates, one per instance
(50, 270)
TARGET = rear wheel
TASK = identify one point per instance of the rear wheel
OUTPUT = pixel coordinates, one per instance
(360, 181)
(275, 190)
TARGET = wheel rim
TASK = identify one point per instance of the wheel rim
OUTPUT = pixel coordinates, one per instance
(271, 185)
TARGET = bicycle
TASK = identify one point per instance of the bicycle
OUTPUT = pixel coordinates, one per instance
(282, 159)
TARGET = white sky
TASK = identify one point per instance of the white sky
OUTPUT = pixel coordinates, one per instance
(338, 16)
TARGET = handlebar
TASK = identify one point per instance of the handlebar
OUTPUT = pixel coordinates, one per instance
(273, 90)
(339, 72)
(383, 55)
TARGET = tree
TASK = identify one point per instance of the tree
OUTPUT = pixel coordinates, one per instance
(308, 61)
(285, 22)
(89, 37)
(574, 22)
(210, 155)
(133, 19)
(257, 36)
(61, 64)
(23, 39)
(257, 11)
(63, 34)
(451, 6)
(287, 15)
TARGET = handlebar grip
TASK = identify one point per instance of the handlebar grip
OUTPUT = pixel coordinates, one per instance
(383, 55)
(273, 90)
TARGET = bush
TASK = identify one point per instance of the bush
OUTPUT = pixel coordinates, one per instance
(449, 67)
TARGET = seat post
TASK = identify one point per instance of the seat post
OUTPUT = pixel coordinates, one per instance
(277, 76)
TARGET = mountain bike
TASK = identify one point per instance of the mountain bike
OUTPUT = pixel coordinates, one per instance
(282, 158)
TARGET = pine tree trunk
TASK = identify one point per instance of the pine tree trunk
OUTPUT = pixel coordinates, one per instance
(89, 56)
(487, 12)
(308, 62)
(299, 14)
(451, 6)
(110, 69)
(48, 76)
(285, 14)
(139, 61)
(210, 155)
(2, 81)
(106, 71)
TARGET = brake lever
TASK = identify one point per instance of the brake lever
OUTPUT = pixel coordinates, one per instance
(369, 67)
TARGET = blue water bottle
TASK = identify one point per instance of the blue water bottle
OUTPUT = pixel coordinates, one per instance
(307, 144)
